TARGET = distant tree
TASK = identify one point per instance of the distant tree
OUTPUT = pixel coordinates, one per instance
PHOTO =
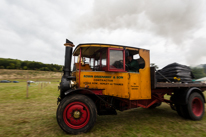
(60, 69)
(44, 69)
(204, 67)
(25, 67)
(2, 62)
(12, 66)
(18, 64)
(25, 63)
(198, 72)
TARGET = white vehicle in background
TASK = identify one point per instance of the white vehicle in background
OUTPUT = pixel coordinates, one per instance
(29, 81)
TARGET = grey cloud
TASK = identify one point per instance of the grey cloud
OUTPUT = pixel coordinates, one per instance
(35, 29)
(171, 19)
(196, 53)
(175, 19)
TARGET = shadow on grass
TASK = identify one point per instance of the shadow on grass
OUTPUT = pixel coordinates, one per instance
(141, 114)
(136, 118)
(125, 122)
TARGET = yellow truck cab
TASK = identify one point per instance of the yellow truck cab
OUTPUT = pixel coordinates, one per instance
(105, 69)
(104, 80)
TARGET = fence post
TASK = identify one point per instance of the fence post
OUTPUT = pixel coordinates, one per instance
(27, 86)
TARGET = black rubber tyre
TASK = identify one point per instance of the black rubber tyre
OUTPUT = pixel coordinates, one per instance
(155, 105)
(196, 106)
(182, 111)
(179, 112)
(76, 114)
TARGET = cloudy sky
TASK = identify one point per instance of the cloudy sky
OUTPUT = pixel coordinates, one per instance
(35, 30)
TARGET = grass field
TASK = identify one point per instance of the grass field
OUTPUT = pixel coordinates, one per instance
(36, 116)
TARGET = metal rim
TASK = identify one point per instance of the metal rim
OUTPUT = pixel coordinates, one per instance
(76, 115)
(197, 107)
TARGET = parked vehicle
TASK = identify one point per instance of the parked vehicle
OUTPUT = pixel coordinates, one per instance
(15, 81)
(105, 84)
(5, 81)
(29, 81)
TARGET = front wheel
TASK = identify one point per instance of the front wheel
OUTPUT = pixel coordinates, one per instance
(76, 114)
(196, 106)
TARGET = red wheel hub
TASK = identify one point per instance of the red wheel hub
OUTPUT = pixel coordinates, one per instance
(197, 107)
(76, 115)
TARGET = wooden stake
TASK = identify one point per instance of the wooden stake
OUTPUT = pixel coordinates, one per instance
(27, 87)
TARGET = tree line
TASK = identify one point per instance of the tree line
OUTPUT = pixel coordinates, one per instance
(7, 63)
(199, 72)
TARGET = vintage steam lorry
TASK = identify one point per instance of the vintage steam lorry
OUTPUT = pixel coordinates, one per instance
(101, 83)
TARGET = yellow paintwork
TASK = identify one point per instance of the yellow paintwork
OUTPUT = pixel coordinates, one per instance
(113, 83)
(129, 85)
(83, 67)
(140, 83)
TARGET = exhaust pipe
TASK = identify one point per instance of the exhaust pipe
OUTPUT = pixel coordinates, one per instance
(68, 57)
(65, 83)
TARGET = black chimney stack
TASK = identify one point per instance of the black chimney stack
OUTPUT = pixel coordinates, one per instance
(68, 57)
(65, 83)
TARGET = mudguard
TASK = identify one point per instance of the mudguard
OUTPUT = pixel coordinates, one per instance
(181, 97)
(87, 91)
(72, 90)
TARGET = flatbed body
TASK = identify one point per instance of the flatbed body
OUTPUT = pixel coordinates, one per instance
(172, 85)
(179, 85)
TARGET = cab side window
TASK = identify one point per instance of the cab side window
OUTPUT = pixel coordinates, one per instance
(116, 59)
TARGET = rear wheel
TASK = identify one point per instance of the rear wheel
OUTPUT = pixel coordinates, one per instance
(182, 111)
(76, 114)
(196, 108)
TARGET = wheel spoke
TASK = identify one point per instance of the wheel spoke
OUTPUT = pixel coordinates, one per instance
(76, 115)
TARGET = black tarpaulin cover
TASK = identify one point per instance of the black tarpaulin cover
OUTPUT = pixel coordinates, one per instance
(175, 73)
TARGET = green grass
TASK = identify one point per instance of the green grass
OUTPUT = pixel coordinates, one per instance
(36, 116)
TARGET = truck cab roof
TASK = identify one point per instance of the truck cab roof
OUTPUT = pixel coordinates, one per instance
(89, 49)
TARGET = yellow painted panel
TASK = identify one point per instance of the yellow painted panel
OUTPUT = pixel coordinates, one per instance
(140, 83)
(145, 83)
(113, 83)
(134, 86)
(83, 67)
(128, 48)
(139, 86)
